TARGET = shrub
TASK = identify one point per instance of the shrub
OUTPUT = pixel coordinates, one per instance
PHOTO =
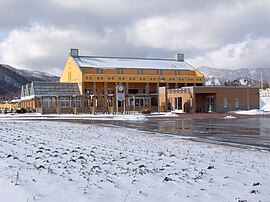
(145, 111)
(21, 111)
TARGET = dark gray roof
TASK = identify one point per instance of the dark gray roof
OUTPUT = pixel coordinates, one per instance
(52, 89)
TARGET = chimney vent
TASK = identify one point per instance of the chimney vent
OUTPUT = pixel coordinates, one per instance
(179, 57)
(74, 52)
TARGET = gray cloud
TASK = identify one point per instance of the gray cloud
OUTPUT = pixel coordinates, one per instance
(227, 34)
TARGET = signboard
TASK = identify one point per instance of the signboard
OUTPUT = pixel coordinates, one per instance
(120, 94)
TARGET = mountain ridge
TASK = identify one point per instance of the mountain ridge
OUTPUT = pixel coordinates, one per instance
(223, 75)
(12, 79)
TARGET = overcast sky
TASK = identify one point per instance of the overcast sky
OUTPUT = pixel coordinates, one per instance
(231, 34)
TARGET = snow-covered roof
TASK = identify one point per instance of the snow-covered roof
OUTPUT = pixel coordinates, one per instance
(130, 63)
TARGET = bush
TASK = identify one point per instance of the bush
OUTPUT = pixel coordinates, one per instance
(21, 111)
(145, 111)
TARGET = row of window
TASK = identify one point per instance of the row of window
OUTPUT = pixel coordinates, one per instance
(89, 91)
(141, 79)
(236, 102)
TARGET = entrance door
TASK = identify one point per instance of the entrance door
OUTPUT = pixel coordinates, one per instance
(178, 103)
(210, 103)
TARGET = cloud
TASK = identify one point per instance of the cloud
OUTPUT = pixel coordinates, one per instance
(39, 34)
(251, 53)
(46, 48)
(34, 47)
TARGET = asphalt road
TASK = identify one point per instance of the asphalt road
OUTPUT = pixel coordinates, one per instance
(241, 132)
(247, 132)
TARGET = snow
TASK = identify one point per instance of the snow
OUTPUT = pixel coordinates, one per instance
(55, 161)
(229, 117)
(212, 82)
(130, 63)
(132, 117)
(250, 112)
(266, 107)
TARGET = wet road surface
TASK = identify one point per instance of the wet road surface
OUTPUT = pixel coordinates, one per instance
(240, 132)
(246, 132)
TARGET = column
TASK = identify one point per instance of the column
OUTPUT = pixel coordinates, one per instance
(166, 97)
(50, 105)
(75, 107)
(158, 100)
(94, 98)
(147, 94)
(105, 98)
(115, 98)
(127, 110)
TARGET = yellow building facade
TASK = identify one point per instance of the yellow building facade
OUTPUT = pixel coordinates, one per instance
(139, 79)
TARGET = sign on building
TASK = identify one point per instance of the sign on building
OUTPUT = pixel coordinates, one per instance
(120, 92)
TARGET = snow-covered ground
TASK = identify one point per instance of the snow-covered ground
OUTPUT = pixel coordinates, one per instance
(251, 112)
(131, 117)
(55, 161)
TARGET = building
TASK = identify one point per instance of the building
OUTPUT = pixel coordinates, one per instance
(52, 98)
(204, 99)
(112, 84)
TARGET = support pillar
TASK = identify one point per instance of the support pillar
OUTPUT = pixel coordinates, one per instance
(115, 98)
(58, 105)
(50, 105)
(166, 97)
(158, 100)
(94, 98)
(127, 110)
(105, 98)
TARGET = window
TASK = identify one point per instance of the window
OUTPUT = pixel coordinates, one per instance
(236, 103)
(225, 102)
(110, 91)
(133, 91)
(88, 91)
(178, 103)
